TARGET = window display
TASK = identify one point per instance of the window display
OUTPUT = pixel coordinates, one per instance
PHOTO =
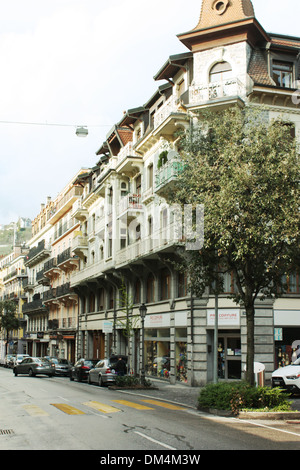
(157, 352)
(181, 354)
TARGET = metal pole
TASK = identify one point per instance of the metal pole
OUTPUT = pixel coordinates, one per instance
(143, 352)
(216, 339)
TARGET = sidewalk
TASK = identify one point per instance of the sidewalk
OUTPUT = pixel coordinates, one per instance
(178, 393)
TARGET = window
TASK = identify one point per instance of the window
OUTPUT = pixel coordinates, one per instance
(150, 288)
(165, 284)
(220, 72)
(283, 73)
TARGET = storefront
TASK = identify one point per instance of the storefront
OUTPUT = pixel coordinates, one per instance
(165, 346)
(286, 337)
(229, 343)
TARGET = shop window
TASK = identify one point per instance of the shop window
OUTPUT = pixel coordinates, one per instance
(283, 74)
(157, 352)
(229, 357)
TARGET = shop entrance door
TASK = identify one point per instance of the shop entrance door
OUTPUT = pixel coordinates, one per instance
(229, 356)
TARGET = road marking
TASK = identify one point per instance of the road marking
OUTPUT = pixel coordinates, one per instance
(132, 405)
(69, 410)
(34, 410)
(101, 407)
(154, 440)
(163, 404)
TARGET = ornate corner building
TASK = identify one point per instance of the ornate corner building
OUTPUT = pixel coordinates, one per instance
(111, 230)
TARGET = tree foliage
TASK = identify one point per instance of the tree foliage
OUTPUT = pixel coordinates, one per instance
(244, 169)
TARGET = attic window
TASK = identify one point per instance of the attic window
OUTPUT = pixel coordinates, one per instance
(283, 74)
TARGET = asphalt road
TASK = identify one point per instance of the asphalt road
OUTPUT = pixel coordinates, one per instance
(44, 413)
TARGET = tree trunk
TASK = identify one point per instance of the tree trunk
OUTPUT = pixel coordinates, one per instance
(250, 311)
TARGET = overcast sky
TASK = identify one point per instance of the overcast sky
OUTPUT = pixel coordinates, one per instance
(83, 62)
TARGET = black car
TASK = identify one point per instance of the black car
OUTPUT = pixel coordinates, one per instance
(80, 370)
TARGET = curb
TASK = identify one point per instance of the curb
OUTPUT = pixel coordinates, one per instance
(262, 415)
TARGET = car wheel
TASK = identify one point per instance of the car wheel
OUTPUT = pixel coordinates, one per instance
(15, 372)
(100, 381)
(71, 377)
(89, 380)
(31, 373)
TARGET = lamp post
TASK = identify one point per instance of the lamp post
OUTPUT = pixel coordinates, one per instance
(143, 312)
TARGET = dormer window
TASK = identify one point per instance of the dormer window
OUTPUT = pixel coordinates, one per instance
(220, 72)
(283, 74)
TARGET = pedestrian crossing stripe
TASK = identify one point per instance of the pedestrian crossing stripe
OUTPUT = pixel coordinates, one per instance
(69, 410)
(34, 410)
(131, 404)
(101, 407)
(169, 406)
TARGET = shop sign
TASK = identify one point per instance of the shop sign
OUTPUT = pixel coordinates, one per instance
(278, 334)
(107, 327)
(226, 317)
(158, 320)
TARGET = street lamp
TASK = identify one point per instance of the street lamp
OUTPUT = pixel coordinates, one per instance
(143, 312)
(82, 131)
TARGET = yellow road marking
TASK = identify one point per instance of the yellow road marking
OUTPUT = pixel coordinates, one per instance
(101, 407)
(133, 405)
(163, 404)
(70, 410)
(34, 410)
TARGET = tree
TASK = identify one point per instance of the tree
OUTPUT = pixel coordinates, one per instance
(128, 322)
(8, 319)
(244, 169)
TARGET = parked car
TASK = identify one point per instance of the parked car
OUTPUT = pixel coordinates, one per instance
(288, 377)
(19, 358)
(103, 373)
(8, 360)
(34, 366)
(62, 366)
(80, 370)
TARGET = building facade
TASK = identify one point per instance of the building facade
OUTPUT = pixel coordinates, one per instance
(128, 232)
(109, 242)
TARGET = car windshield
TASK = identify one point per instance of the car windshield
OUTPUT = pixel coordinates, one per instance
(90, 363)
(40, 360)
(297, 362)
(62, 361)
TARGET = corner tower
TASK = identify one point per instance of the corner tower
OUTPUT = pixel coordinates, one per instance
(223, 22)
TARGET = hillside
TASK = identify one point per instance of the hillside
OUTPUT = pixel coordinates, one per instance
(20, 230)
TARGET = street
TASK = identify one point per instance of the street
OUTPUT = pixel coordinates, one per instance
(42, 413)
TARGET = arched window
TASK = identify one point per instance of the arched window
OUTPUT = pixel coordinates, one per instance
(220, 72)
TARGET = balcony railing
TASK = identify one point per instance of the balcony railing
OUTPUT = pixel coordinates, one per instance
(167, 173)
(130, 202)
(214, 90)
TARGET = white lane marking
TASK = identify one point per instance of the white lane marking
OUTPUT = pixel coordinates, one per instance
(155, 441)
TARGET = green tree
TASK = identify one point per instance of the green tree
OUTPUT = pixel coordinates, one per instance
(127, 322)
(8, 319)
(244, 169)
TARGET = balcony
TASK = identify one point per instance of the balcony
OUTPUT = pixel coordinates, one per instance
(64, 204)
(67, 261)
(130, 205)
(169, 117)
(163, 239)
(80, 244)
(50, 268)
(37, 254)
(216, 91)
(79, 211)
(166, 175)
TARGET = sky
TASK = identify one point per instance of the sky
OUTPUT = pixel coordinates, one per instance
(69, 63)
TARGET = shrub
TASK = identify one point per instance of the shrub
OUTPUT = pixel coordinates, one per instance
(131, 381)
(236, 396)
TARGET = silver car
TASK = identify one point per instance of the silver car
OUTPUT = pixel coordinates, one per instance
(34, 366)
(102, 373)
